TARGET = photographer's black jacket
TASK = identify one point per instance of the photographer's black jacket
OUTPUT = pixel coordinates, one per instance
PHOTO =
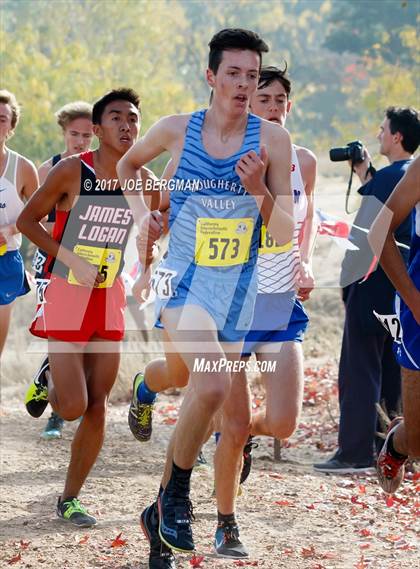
(376, 292)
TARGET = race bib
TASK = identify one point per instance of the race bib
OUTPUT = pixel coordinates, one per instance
(392, 324)
(3, 249)
(41, 287)
(162, 282)
(107, 260)
(222, 242)
(269, 245)
(38, 261)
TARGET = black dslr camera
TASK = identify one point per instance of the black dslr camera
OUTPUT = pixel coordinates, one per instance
(353, 151)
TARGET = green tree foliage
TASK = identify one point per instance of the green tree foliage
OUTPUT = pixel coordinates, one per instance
(373, 28)
(348, 60)
(387, 64)
(79, 49)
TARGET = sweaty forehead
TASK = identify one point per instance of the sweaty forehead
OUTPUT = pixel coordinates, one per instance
(242, 58)
(81, 124)
(275, 88)
(121, 107)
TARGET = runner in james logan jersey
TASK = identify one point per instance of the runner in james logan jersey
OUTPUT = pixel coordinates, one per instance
(85, 300)
(18, 180)
(202, 282)
(96, 229)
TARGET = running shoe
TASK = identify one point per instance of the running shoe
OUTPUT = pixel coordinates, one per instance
(247, 463)
(161, 556)
(53, 427)
(72, 511)
(337, 466)
(201, 461)
(175, 517)
(227, 542)
(140, 414)
(36, 398)
(390, 469)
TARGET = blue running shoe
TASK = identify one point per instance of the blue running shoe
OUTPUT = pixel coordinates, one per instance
(175, 516)
(160, 556)
(53, 428)
(227, 542)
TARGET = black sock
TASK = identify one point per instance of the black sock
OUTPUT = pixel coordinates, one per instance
(155, 503)
(391, 449)
(225, 519)
(180, 480)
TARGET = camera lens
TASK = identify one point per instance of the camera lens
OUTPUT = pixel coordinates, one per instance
(340, 154)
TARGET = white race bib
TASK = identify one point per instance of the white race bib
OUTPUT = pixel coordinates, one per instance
(162, 282)
(392, 324)
(41, 287)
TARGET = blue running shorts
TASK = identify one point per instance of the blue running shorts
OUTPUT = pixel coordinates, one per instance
(278, 317)
(13, 281)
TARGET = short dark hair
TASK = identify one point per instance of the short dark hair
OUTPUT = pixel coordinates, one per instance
(405, 120)
(269, 74)
(122, 94)
(231, 39)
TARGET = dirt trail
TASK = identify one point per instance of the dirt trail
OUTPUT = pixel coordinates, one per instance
(290, 517)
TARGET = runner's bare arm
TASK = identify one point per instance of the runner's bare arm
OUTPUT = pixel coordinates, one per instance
(305, 280)
(44, 169)
(153, 226)
(308, 166)
(267, 177)
(155, 223)
(381, 236)
(27, 183)
(56, 190)
(161, 137)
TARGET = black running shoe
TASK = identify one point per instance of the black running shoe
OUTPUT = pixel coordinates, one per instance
(246, 467)
(161, 556)
(175, 516)
(140, 414)
(227, 542)
(36, 398)
(72, 511)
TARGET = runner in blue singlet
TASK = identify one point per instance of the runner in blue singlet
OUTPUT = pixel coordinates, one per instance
(226, 161)
(403, 439)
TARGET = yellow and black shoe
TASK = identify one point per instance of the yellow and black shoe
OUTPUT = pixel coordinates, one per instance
(36, 398)
(140, 414)
(71, 510)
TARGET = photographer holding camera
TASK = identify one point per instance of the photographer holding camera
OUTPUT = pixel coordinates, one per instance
(368, 371)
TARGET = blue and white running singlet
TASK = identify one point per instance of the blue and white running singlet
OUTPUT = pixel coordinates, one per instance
(214, 234)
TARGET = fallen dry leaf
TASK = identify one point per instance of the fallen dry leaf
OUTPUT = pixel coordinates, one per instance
(284, 503)
(308, 551)
(15, 559)
(118, 542)
(361, 564)
(196, 561)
